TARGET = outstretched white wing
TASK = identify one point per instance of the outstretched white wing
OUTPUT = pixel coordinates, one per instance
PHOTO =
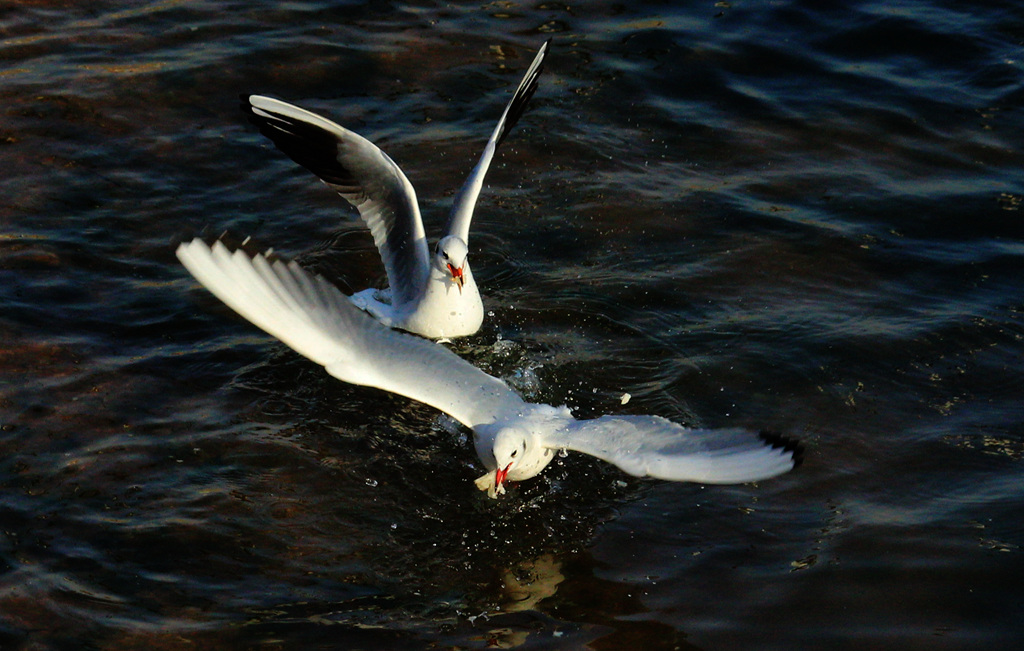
(312, 317)
(651, 446)
(465, 201)
(359, 171)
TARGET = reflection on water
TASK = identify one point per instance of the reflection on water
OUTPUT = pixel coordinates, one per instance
(789, 216)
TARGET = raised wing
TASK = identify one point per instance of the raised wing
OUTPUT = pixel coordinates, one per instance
(312, 317)
(651, 446)
(359, 171)
(462, 209)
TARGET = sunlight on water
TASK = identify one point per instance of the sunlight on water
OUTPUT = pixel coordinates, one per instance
(786, 216)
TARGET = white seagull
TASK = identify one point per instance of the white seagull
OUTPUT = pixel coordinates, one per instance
(433, 296)
(514, 439)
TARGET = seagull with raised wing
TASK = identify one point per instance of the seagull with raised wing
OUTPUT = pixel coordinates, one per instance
(514, 439)
(431, 295)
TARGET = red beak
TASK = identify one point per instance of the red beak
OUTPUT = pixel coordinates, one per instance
(457, 277)
(499, 475)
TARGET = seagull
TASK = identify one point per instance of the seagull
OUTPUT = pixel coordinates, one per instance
(514, 439)
(432, 296)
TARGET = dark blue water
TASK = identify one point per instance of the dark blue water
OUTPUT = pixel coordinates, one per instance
(800, 216)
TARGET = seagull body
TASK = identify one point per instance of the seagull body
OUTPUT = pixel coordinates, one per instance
(433, 295)
(514, 439)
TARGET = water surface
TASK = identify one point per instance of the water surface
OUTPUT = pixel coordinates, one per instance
(790, 216)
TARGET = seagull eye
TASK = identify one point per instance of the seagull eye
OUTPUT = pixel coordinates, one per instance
(445, 254)
(514, 452)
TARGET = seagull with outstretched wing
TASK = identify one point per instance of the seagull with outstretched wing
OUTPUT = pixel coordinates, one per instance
(433, 295)
(514, 439)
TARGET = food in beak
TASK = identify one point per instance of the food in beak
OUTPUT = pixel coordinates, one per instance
(499, 475)
(457, 276)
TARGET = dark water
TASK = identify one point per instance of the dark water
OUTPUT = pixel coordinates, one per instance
(803, 216)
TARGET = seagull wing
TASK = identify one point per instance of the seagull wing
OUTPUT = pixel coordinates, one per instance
(312, 317)
(359, 171)
(651, 446)
(462, 209)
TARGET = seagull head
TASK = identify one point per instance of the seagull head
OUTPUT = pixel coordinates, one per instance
(510, 449)
(450, 257)
(519, 453)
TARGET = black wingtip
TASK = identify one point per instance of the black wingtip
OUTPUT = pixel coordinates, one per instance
(245, 105)
(308, 144)
(785, 443)
(524, 93)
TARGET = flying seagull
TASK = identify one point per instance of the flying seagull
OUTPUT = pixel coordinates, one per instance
(431, 295)
(514, 439)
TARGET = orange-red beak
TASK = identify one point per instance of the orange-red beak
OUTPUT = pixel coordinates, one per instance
(457, 277)
(499, 475)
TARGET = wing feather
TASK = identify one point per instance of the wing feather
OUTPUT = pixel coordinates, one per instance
(316, 320)
(651, 446)
(465, 201)
(361, 173)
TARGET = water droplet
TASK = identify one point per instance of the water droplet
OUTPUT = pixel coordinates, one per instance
(372, 483)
